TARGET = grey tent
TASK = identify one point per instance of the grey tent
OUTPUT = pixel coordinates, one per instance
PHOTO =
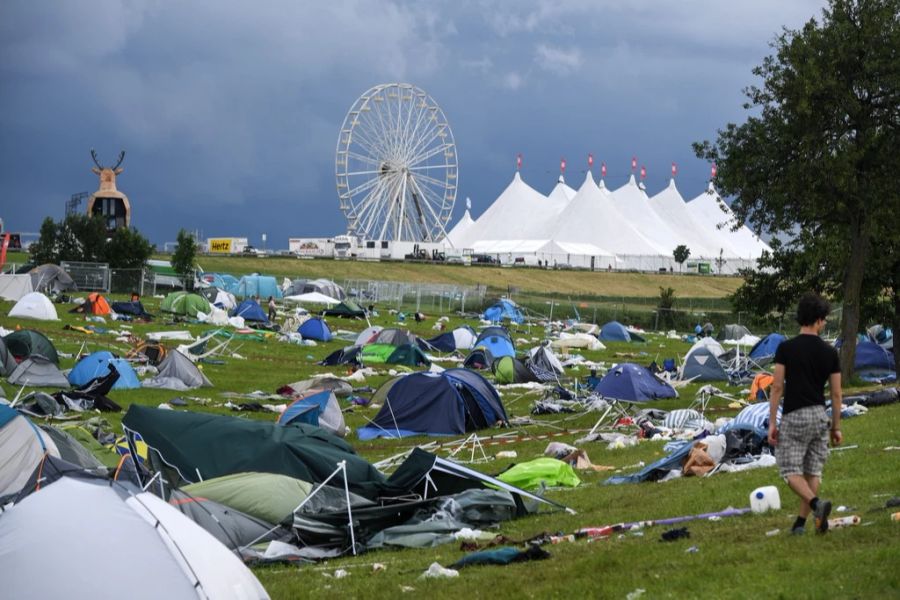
(701, 364)
(7, 362)
(22, 447)
(341, 388)
(71, 450)
(395, 337)
(177, 372)
(147, 550)
(544, 363)
(38, 371)
(732, 331)
(51, 279)
(322, 286)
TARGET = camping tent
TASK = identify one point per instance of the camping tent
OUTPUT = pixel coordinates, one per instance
(766, 347)
(97, 365)
(315, 329)
(872, 357)
(133, 308)
(27, 342)
(497, 341)
(616, 332)
(325, 287)
(7, 361)
(260, 286)
(183, 560)
(177, 372)
(94, 304)
(13, 287)
(183, 303)
(633, 383)
(405, 354)
(509, 369)
(51, 279)
(37, 371)
(733, 332)
(349, 355)
(250, 310)
(702, 364)
(461, 338)
(503, 310)
(22, 446)
(34, 305)
(233, 528)
(348, 309)
(218, 297)
(394, 337)
(312, 298)
(480, 358)
(316, 407)
(368, 335)
(447, 403)
(544, 364)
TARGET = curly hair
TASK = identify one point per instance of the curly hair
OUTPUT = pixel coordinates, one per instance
(811, 308)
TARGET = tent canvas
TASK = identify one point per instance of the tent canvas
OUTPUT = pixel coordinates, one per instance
(177, 372)
(98, 365)
(27, 342)
(23, 446)
(13, 287)
(51, 279)
(34, 305)
(250, 310)
(503, 310)
(702, 364)
(633, 383)
(315, 329)
(37, 371)
(316, 407)
(7, 361)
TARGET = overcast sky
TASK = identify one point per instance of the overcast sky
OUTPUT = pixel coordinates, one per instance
(230, 111)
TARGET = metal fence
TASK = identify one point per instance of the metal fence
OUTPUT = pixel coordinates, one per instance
(88, 276)
(422, 296)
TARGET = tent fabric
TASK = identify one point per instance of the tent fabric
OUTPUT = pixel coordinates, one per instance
(37, 371)
(94, 304)
(266, 496)
(872, 357)
(711, 212)
(51, 279)
(315, 329)
(250, 310)
(97, 365)
(616, 332)
(341, 388)
(316, 407)
(184, 560)
(480, 359)
(765, 348)
(503, 310)
(633, 383)
(344, 356)
(509, 369)
(205, 445)
(22, 446)
(218, 297)
(368, 335)
(544, 364)
(325, 287)
(702, 364)
(671, 208)
(34, 305)
(394, 337)
(230, 526)
(13, 287)
(497, 341)
(183, 303)
(732, 331)
(135, 308)
(312, 298)
(259, 286)
(177, 372)
(455, 235)
(7, 361)
(461, 338)
(532, 474)
(71, 450)
(27, 342)
(451, 402)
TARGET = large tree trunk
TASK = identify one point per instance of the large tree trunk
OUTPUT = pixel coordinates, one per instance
(853, 278)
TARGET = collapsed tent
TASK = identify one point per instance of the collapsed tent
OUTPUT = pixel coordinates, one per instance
(480, 359)
(497, 341)
(348, 309)
(34, 305)
(218, 297)
(202, 446)
(184, 560)
(340, 387)
(233, 528)
(315, 329)
(733, 332)
(28, 342)
(616, 332)
(183, 303)
(544, 364)
(23, 446)
(94, 304)
(368, 335)
(133, 308)
(250, 310)
(177, 372)
(509, 369)
(394, 337)
(37, 371)
(51, 279)
(633, 383)
(702, 364)
(98, 365)
(316, 407)
(325, 287)
(503, 310)
(345, 356)
(406, 354)
(447, 403)
(461, 338)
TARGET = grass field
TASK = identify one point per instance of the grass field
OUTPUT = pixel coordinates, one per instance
(734, 557)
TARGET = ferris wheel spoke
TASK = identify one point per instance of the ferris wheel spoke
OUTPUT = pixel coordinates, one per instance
(428, 154)
(421, 119)
(362, 187)
(424, 133)
(424, 202)
(362, 138)
(424, 145)
(363, 158)
(431, 180)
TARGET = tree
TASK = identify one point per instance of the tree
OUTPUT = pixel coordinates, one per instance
(44, 250)
(185, 252)
(818, 155)
(666, 306)
(680, 255)
(126, 249)
(83, 238)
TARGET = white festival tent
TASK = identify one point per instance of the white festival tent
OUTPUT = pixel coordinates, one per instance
(455, 236)
(701, 241)
(634, 205)
(710, 211)
(562, 194)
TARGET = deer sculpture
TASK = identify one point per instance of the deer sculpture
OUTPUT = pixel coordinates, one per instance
(107, 174)
(108, 201)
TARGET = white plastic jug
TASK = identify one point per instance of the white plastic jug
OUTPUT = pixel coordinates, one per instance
(765, 498)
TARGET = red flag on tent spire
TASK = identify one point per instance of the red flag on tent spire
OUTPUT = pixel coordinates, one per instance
(518, 162)
(643, 172)
(562, 166)
(713, 171)
(633, 163)
(674, 170)
(603, 169)
(590, 160)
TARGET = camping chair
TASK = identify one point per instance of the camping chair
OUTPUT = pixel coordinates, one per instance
(197, 351)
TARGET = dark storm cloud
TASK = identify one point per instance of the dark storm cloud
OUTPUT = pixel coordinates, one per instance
(230, 111)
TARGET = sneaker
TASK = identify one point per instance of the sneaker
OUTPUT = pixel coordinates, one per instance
(823, 509)
(798, 530)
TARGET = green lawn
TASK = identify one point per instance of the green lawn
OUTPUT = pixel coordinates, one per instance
(734, 557)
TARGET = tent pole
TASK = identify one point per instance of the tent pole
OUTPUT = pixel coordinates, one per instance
(343, 466)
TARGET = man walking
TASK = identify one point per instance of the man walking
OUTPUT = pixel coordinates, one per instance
(802, 367)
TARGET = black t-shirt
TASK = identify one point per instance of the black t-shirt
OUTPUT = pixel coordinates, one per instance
(808, 362)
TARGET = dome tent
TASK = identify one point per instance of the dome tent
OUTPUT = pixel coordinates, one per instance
(183, 303)
(315, 329)
(250, 310)
(316, 407)
(633, 383)
(34, 305)
(98, 365)
(28, 342)
(616, 332)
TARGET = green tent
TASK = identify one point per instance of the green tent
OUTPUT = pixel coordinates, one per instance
(549, 471)
(204, 446)
(509, 369)
(348, 309)
(376, 353)
(26, 342)
(407, 354)
(183, 303)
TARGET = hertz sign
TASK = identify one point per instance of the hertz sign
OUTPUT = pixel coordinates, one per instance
(220, 245)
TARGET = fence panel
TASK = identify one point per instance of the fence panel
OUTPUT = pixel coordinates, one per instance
(89, 277)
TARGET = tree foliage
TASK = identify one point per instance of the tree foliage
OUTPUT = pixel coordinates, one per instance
(81, 238)
(817, 158)
(185, 253)
(681, 254)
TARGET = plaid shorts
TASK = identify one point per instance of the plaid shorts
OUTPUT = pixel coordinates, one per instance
(803, 442)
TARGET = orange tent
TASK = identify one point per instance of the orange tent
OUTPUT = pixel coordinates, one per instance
(759, 387)
(94, 304)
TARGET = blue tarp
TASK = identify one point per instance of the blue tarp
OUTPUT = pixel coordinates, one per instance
(250, 311)
(766, 347)
(633, 383)
(97, 365)
(504, 310)
(448, 403)
(315, 329)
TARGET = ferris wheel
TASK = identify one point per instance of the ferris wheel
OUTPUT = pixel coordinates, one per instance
(396, 166)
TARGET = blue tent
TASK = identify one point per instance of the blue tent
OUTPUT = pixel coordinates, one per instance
(250, 310)
(261, 286)
(97, 365)
(315, 329)
(448, 403)
(223, 281)
(503, 309)
(497, 341)
(458, 339)
(633, 383)
(872, 357)
(616, 332)
(766, 347)
(318, 407)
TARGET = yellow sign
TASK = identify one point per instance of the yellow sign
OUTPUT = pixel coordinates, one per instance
(220, 245)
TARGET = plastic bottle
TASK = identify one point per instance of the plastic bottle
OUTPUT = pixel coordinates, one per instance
(765, 498)
(843, 522)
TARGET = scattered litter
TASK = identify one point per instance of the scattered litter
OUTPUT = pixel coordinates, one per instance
(692, 550)
(715, 518)
(773, 532)
(467, 533)
(165, 406)
(437, 571)
(841, 509)
(843, 522)
(340, 574)
(635, 594)
(407, 588)
(507, 454)
(675, 534)
(376, 567)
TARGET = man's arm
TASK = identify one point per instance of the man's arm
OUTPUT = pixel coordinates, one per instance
(774, 401)
(834, 382)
